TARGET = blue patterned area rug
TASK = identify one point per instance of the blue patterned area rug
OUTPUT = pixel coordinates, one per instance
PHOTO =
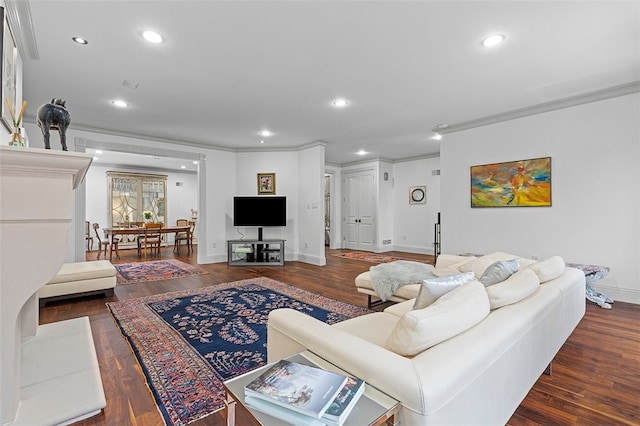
(188, 342)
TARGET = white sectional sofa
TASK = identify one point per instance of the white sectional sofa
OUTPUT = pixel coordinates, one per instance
(470, 357)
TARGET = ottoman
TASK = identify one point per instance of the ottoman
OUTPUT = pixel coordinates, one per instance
(80, 279)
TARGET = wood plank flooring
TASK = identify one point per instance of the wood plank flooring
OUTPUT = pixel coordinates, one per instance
(595, 380)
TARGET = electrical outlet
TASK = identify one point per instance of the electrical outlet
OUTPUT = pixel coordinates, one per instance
(215, 244)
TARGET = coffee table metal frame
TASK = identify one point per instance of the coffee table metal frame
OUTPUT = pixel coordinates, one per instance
(373, 408)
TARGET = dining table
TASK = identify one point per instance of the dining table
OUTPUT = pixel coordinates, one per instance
(113, 232)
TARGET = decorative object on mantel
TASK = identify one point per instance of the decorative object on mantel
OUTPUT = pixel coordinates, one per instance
(17, 138)
(524, 183)
(54, 116)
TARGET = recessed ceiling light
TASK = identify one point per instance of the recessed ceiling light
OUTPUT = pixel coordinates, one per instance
(79, 40)
(265, 133)
(96, 158)
(362, 152)
(340, 103)
(120, 103)
(436, 136)
(183, 167)
(195, 162)
(98, 151)
(152, 37)
(493, 40)
(261, 141)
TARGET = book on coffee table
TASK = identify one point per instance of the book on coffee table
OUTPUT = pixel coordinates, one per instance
(336, 414)
(298, 387)
(344, 402)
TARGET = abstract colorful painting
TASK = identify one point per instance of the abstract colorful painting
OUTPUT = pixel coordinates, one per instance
(525, 183)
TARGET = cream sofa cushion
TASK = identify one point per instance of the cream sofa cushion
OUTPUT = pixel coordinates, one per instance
(450, 264)
(448, 316)
(548, 269)
(479, 265)
(512, 290)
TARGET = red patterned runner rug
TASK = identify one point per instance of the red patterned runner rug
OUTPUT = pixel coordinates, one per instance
(129, 273)
(377, 257)
(188, 342)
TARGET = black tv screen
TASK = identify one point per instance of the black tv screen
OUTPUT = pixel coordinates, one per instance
(260, 211)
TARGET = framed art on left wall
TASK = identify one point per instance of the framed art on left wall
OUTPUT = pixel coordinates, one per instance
(8, 71)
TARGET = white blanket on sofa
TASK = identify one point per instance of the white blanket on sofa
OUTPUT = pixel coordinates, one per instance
(387, 277)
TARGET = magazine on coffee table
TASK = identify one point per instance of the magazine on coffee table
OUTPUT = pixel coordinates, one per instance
(307, 390)
(336, 414)
(344, 402)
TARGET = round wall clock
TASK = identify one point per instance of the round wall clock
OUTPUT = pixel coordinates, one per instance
(417, 195)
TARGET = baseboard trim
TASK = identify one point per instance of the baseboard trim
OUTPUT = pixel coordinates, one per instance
(627, 295)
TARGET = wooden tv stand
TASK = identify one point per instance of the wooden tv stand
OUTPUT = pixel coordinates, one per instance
(255, 252)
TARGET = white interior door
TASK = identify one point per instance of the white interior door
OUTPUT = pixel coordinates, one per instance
(359, 210)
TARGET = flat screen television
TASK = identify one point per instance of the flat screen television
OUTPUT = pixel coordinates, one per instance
(260, 211)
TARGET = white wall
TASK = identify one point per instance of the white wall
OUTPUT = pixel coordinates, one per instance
(413, 229)
(299, 177)
(595, 213)
(385, 208)
(311, 207)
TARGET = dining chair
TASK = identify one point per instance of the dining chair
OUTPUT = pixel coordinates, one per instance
(152, 237)
(106, 243)
(182, 236)
(87, 235)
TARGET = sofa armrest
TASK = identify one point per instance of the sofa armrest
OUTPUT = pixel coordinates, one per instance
(290, 331)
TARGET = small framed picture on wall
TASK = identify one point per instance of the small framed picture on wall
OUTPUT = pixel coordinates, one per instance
(266, 183)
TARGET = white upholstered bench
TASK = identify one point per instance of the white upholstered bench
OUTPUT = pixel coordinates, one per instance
(80, 279)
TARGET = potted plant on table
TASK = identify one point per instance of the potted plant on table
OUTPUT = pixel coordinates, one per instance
(147, 215)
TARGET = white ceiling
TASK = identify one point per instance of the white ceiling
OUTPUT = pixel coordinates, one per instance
(228, 69)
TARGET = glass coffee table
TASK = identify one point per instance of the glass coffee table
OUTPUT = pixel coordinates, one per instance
(373, 407)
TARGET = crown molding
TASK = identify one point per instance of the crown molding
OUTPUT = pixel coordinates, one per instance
(595, 96)
(21, 24)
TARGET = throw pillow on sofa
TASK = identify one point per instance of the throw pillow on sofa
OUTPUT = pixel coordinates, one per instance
(450, 315)
(432, 288)
(514, 289)
(499, 271)
(479, 265)
(548, 269)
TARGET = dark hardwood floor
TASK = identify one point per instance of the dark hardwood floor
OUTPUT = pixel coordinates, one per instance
(595, 380)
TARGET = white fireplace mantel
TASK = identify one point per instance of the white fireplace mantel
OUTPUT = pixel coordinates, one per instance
(36, 213)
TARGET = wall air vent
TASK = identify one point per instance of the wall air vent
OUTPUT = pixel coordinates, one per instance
(435, 172)
(386, 242)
